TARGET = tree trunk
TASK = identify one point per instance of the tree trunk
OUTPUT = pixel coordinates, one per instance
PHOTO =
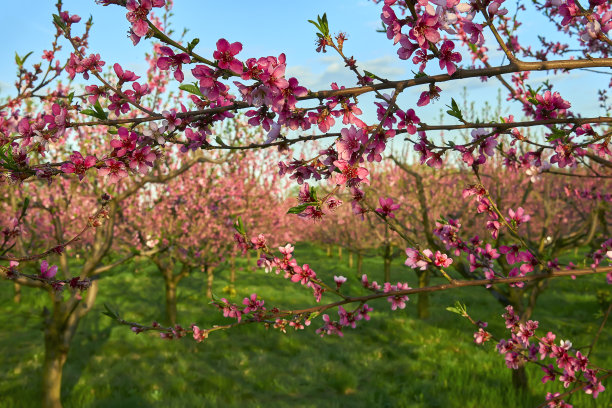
(423, 298)
(328, 249)
(519, 378)
(387, 263)
(170, 302)
(339, 252)
(55, 357)
(17, 294)
(350, 257)
(233, 271)
(60, 327)
(359, 264)
(209, 281)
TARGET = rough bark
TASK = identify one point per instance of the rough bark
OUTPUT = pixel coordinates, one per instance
(60, 326)
(423, 298)
(170, 302)
(17, 293)
(519, 378)
(209, 281)
(387, 265)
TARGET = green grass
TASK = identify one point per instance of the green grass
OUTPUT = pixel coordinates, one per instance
(394, 360)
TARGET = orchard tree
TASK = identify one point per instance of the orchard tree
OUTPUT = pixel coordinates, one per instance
(134, 126)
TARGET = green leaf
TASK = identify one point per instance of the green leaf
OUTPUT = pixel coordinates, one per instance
(24, 207)
(18, 60)
(453, 310)
(459, 308)
(59, 22)
(113, 314)
(23, 60)
(454, 110)
(100, 111)
(220, 141)
(95, 114)
(298, 209)
(192, 89)
(315, 24)
(239, 226)
(321, 24)
(370, 75)
(313, 193)
(193, 44)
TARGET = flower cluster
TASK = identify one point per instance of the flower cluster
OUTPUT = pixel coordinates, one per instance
(571, 367)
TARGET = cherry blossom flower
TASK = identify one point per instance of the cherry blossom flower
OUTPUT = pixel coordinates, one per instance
(46, 271)
(172, 61)
(225, 55)
(78, 165)
(387, 207)
(350, 175)
(126, 143)
(114, 169)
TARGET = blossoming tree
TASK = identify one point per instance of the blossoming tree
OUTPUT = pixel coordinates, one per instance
(136, 129)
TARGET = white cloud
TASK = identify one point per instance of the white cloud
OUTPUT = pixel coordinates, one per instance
(335, 71)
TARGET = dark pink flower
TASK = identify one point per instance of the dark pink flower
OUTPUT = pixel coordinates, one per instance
(408, 120)
(448, 58)
(46, 271)
(387, 207)
(350, 142)
(425, 29)
(142, 159)
(433, 93)
(126, 143)
(78, 165)
(114, 169)
(475, 32)
(225, 55)
(519, 216)
(442, 260)
(173, 61)
(137, 15)
(124, 76)
(350, 175)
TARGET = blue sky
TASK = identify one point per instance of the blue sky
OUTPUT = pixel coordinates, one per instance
(268, 28)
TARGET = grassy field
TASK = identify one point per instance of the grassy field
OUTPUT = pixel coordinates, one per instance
(394, 360)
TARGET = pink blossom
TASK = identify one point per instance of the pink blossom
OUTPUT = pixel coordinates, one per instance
(114, 169)
(339, 281)
(46, 271)
(442, 260)
(408, 120)
(225, 55)
(387, 207)
(78, 164)
(124, 76)
(425, 29)
(518, 217)
(126, 143)
(415, 260)
(427, 96)
(137, 15)
(350, 175)
(173, 61)
(350, 142)
(142, 160)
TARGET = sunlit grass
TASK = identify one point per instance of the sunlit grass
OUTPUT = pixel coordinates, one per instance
(394, 360)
